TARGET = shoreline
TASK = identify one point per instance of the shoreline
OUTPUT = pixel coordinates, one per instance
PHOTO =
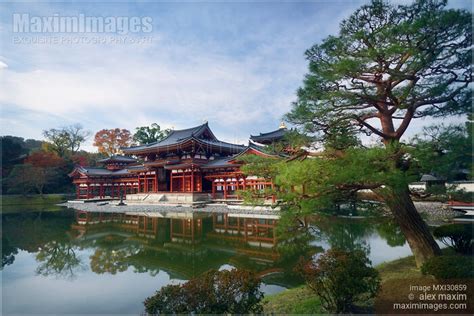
(150, 209)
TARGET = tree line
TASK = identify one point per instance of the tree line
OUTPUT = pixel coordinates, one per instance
(42, 166)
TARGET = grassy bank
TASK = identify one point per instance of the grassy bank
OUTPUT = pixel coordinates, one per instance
(302, 300)
(20, 203)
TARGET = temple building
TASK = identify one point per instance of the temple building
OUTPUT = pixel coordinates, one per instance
(112, 180)
(190, 161)
(270, 137)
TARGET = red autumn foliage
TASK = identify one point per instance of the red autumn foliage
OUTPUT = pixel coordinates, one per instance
(80, 160)
(109, 141)
(43, 159)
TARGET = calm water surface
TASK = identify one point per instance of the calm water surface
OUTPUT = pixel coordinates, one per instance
(73, 262)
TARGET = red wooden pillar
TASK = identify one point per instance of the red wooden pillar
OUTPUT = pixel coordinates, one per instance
(225, 188)
(171, 181)
(199, 182)
(88, 191)
(273, 193)
(192, 180)
(155, 183)
(138, 187)
(146, 183)
(101, 191)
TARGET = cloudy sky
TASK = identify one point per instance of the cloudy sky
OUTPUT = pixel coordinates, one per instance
(235, 65)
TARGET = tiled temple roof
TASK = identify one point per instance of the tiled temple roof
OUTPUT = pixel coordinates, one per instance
(220, 163)
(97, 172)
(118, 158)
(233, 160)
(201, 134)
(270, 136)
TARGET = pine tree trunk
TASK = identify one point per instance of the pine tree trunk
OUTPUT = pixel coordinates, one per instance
(414, 228)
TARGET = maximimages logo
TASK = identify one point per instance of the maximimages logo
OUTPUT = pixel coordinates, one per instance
(24, 23)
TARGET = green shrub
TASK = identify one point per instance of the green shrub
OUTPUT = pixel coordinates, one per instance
(457, 236)
(449, 267)
(214, 292)
(437, 189)
(460, 195)
(341, 279)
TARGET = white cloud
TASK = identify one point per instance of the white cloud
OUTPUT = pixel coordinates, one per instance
(165, 83)
(241, 84)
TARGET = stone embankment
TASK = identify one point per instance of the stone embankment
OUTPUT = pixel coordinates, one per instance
(112, 207)
(435, 211)
(432, 212)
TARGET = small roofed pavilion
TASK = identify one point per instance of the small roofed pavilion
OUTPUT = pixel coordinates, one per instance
(112, 180)
(227, 178)
(272, 137)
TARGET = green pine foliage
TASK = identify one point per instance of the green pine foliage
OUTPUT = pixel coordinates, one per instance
(457, 236)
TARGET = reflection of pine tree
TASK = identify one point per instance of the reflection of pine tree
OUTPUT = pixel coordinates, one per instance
(348, 235)
(32, 231)
(108, 260)
(296, 243)
(8, 252)
(392, 233)
(58, 258)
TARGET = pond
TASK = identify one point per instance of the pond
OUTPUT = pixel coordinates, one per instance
(76, 262)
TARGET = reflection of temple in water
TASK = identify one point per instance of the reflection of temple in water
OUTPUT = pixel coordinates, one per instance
(186, 244)
(188, 227)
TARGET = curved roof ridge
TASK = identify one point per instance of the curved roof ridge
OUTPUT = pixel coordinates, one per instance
(195, 128)
(172, 133)
(269, 133)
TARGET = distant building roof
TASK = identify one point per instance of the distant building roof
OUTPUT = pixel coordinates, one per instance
(232, 161)
(201, 134)
(270, 137)
(97, 172)
(220, 163)
(118, 158)
(429, 177)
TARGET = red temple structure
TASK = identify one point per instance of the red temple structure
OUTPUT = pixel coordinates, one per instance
(190, 161)
(112, 180)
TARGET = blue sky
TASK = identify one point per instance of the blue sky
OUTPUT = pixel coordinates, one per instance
(235, 65)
